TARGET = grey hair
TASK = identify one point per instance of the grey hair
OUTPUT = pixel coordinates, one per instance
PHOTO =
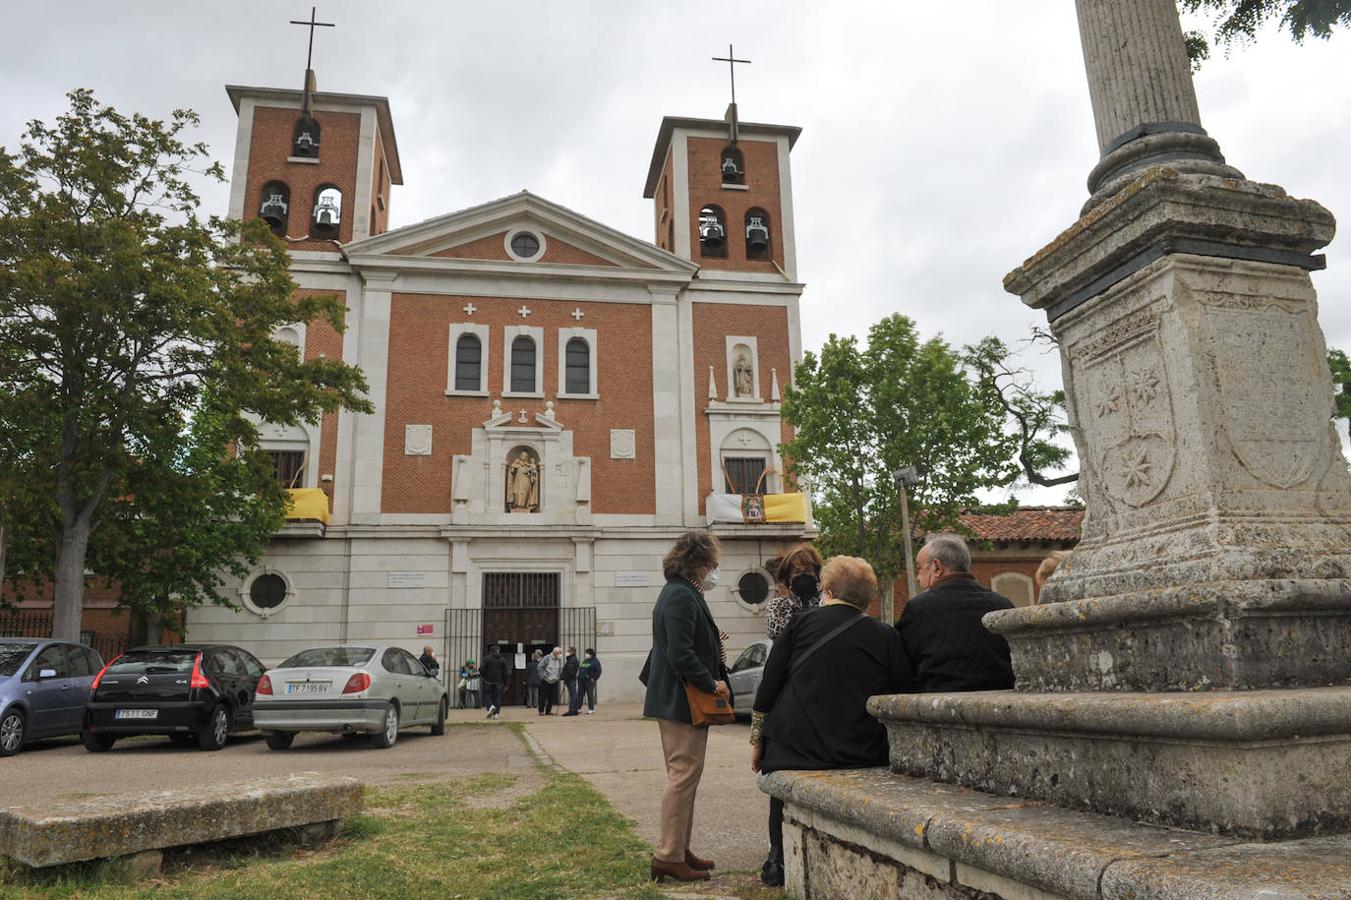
(950, 550)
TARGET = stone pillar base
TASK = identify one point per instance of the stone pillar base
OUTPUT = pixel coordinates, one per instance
(1258, 764)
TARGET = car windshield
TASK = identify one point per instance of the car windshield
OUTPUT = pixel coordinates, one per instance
(12, 656)
(154, 662)
(330, 656)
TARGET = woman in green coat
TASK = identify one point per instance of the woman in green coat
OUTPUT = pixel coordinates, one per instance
(685, 650)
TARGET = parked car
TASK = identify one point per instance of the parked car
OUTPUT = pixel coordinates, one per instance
(190, 692)
(745, 674)
(376, 690)
(43, 686)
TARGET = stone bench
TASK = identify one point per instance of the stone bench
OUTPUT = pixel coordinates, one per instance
(869, 832)
(97, 828)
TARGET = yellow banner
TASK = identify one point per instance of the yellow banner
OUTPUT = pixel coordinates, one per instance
(307, 503)
(785, 508)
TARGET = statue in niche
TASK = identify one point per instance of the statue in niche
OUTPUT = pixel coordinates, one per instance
(523, 477)
(743, 376)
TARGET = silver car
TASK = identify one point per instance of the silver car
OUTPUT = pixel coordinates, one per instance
(375, 690)
(745, 675)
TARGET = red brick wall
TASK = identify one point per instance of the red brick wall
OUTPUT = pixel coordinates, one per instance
(322, 339)
(713, 322)
(493, 247)
(419, 355)
(661, 204)
(379, 188)
(762, 181)
(269, 148)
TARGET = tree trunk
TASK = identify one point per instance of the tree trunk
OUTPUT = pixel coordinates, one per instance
(68, 599)
(889, 600)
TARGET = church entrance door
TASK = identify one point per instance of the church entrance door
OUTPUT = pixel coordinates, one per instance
(520, 608)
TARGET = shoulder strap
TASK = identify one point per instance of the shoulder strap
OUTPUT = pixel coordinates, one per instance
(826, 639)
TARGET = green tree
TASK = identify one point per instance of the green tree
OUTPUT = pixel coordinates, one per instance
(1237, 21)
(861, 414)
(135, 342)
(1340, 367)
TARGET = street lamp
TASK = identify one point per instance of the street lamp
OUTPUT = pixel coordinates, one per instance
(904, 479)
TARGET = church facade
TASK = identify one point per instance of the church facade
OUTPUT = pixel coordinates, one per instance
(555, 401)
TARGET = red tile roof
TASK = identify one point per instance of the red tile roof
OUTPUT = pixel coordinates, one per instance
(1028, 523)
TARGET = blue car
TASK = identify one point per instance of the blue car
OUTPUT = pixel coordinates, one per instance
(44, 685)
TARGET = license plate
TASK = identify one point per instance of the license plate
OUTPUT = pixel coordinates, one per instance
(136, 714)
(309, 687)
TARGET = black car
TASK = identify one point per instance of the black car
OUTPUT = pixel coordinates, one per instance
(189, 692)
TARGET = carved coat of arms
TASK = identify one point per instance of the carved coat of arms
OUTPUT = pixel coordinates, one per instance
(1125, 414)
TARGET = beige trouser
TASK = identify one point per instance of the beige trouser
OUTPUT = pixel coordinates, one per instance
(683, 746)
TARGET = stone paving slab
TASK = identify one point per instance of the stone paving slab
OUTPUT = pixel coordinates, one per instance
(98, 828)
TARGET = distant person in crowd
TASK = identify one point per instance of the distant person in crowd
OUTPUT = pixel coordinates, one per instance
(550, 671)
(587, 676)
(428, 660)
(686, 650)
(811, 709)
(1047, 569)
(797, 577)
(495, 671)
(532, 678)
(948, 647)
(571, 666)
(468, 684)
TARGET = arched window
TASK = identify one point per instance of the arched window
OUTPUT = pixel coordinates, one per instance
(305, 141)
(712, 231)
(275, 207)
(523, 365)
(577, 378)
(757, 233)
(327, 212)
(733, 165)
(468, 363)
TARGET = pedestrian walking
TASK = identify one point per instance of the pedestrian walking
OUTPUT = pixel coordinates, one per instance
(532, 679)
(571, 666)
(587, 677)
(550, 672)
(494, 672)
(685, 654)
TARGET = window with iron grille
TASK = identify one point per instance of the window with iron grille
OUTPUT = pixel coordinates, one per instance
(744, 474)
(578, 361)
(468, 363)
(523, 365)
(520, 590)
(289, 467)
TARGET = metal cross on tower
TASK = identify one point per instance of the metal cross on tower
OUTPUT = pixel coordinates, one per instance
(309, 56)
(731, 61)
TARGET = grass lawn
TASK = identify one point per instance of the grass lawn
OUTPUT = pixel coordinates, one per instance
(491, 836)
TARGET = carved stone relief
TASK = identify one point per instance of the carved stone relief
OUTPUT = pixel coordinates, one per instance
(523, 480)
(623, 444)
(743, 372)
(417, 440)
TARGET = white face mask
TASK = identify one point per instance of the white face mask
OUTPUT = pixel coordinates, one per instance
(711, 579)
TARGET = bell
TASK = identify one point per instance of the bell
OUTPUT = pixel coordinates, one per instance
(757, 236)
(711, 233)
(730, 170)
(273, 211)
(326, 215)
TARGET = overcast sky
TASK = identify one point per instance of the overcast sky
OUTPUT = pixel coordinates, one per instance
(937, 151)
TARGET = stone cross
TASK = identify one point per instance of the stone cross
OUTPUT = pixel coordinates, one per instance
(470, 309)
(524, 310)
(577, 314)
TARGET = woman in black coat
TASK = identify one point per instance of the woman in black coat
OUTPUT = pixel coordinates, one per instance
(811, 709)
(686, 649)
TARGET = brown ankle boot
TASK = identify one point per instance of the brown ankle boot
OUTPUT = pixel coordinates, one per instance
(661, 870)
(698, 862)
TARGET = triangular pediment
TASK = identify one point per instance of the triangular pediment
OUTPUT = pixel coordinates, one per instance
(481, 234)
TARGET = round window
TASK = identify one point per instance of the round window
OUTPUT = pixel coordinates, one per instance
(753, 588)
(267, 591)
(525, 245)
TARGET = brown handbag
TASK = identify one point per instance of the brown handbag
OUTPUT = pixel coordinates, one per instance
(707, 709)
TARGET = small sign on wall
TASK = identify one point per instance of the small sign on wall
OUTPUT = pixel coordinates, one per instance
(520, 660)
(406, 579)
(633, 579)
(424, 629)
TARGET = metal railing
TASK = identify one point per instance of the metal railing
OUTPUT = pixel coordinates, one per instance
(37, 623)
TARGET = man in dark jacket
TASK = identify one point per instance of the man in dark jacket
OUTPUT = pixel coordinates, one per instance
(948, 647)
(587, 676)
(571, 666)
(494, 672)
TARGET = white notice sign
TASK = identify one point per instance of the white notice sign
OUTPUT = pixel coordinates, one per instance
(520, 660)
(632, 579)
(406, 579)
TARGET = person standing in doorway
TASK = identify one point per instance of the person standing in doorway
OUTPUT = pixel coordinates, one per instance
(550, 671)
(532, 678)
(587, 677)
(494, 672)
(571, 666)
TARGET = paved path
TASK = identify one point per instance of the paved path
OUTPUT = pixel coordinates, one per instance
(619, 752)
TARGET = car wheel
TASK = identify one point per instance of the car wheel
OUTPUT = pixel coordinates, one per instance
(280, 740)
(389, 731)
(439, 726)
(97, 743)
(12, 731)
(218, 731)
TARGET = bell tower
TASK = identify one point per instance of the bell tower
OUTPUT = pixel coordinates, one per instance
(317, 167)
(723, 192)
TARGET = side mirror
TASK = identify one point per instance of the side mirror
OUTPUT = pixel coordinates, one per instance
(46, 673)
